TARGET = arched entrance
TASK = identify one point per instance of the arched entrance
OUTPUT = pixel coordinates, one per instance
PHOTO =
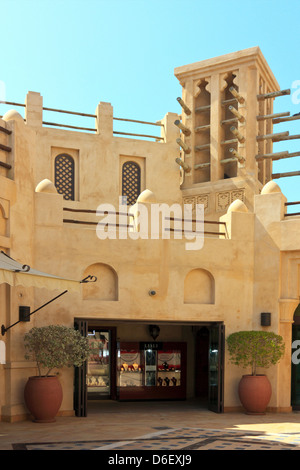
(295, 383)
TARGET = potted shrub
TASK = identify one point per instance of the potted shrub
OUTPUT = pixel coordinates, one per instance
(52, 347)
(255, 349)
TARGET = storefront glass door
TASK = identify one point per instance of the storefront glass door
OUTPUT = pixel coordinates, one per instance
(216, 368)
(98, 377)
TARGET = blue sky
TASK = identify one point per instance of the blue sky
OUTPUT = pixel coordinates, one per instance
(80, 52)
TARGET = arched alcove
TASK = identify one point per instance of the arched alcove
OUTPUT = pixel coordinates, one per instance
(199, 287)
(106, 286)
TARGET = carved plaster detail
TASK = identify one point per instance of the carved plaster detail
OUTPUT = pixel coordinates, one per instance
(236, 78)
(223, 83)
(225, 198)
(199, 199)
(197, 89)
(197, 86)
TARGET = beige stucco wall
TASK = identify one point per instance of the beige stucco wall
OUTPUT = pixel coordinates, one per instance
(254, 269)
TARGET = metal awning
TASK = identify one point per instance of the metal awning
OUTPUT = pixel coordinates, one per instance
(14, 273)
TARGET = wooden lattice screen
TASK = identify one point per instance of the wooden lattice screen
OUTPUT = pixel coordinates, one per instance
(64, 176)
(131, 182)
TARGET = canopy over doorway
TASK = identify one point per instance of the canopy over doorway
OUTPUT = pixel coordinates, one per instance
(14, 273)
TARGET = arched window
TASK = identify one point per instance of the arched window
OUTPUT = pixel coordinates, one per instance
(64, 173)
(131, 182)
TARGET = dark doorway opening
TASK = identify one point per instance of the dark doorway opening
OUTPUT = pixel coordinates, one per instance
(295, 376)
(99, 379)
(201, 363)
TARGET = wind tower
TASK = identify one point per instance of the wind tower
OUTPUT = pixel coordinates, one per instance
(226, 141)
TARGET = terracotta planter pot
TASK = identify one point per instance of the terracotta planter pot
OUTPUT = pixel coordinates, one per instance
(43, 397)
(255, 393)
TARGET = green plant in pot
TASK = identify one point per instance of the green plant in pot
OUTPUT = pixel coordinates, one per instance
(51, 347)
(255, 349)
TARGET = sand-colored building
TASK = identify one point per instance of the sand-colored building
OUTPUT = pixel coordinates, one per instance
(216, 152)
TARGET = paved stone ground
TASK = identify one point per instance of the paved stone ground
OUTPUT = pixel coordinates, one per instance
(185, 439)
(161, 426)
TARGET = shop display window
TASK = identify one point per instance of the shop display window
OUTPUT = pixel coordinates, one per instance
(130, 368)
(169, 368)
(145, 368)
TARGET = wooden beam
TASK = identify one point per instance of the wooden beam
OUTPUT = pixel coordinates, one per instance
(69, 112)
(278, 155)
(213, 222)
(185, 108)
(290, 137)
(184, 147)
(239, 157)
(95, 116)
(229, 121)
(236, 113)
(13, 103)
(291, 118)
(198, 148)
(5, 131)
(5, 148)
(201, 166)
(294, 203)
(238, 135)
(202, 109)
(92, 211)
(5, 165)
(182, 127)
(273, 94)
(228, 160)
(294, 154)
(68, 126)
(83, 222)
(279, 135)
(140, 122)
(230, 101)
(235, 93)
(230, 141)
(272, 116)
(183, 165)
(202, 128)
(284, 175)
(290, 215)
(138, 135)
(273, 156)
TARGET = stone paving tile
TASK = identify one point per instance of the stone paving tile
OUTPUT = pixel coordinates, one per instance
(164, 426)
(187, 439)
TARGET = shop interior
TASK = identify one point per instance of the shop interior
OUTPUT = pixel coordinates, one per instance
(143, 361)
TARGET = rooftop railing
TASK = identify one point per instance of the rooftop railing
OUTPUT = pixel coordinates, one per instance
(294, 203)
(92, 129)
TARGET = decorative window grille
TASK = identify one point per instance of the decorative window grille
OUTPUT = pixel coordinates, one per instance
(64, 176)
(131, 182)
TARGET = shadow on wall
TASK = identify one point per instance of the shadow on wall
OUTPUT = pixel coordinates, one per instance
(2, 221)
